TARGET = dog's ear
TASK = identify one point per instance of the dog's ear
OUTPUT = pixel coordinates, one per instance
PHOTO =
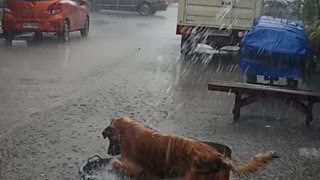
(107, 132)
(207, 166)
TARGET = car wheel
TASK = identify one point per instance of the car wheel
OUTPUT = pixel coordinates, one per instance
(153, 12)
(8, 36)
(85, 31)
(145, 9)
(64, 36)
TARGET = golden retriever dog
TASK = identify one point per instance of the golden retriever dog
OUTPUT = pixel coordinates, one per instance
(148, 153)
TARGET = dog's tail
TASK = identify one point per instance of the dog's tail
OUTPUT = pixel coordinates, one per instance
(254, 165)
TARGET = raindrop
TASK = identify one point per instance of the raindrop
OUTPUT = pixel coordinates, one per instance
(229, 92)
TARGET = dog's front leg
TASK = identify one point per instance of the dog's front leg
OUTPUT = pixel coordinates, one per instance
(127, 168)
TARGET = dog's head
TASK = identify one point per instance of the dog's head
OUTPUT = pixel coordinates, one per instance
(114, 134)
(114, 138)
(114, 143)
(214, 167)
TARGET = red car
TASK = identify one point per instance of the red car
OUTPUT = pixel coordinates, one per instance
(52, 16)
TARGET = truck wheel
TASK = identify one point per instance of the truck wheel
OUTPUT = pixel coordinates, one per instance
(188, 45)
(216, 42)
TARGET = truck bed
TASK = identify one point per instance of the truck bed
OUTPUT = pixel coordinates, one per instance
(233, 14)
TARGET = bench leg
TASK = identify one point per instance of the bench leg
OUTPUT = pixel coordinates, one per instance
(309, 113)
(236, 109)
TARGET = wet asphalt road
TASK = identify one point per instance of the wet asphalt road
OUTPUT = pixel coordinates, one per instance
(57, 98)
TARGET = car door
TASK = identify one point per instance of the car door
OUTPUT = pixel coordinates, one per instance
(82, 14)
(128, 4)
(107, 4)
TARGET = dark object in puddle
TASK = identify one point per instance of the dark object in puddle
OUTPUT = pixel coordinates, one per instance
(89, 170)
(92, 167)
(225, 150)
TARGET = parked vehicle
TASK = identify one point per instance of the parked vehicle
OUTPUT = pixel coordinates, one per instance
(275, 48)
(1, 13)
(144, 7)
(216, 23)
(54, 16)
(284, 9)
(274, 8)
(1, 10)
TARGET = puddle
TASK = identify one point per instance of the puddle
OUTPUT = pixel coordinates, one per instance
(100, 173)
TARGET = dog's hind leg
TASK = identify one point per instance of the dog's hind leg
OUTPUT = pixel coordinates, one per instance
(132, 170)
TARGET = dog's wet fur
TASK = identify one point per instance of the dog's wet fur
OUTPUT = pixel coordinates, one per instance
(114, 147)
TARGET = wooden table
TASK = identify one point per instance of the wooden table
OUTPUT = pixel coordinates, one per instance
(246, 94)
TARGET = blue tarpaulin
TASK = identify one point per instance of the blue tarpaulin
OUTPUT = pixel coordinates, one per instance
(275, 47)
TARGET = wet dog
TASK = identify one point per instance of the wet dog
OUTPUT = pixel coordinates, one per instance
(148, 153)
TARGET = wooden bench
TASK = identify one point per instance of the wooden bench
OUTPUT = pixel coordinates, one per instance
(246, 94)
